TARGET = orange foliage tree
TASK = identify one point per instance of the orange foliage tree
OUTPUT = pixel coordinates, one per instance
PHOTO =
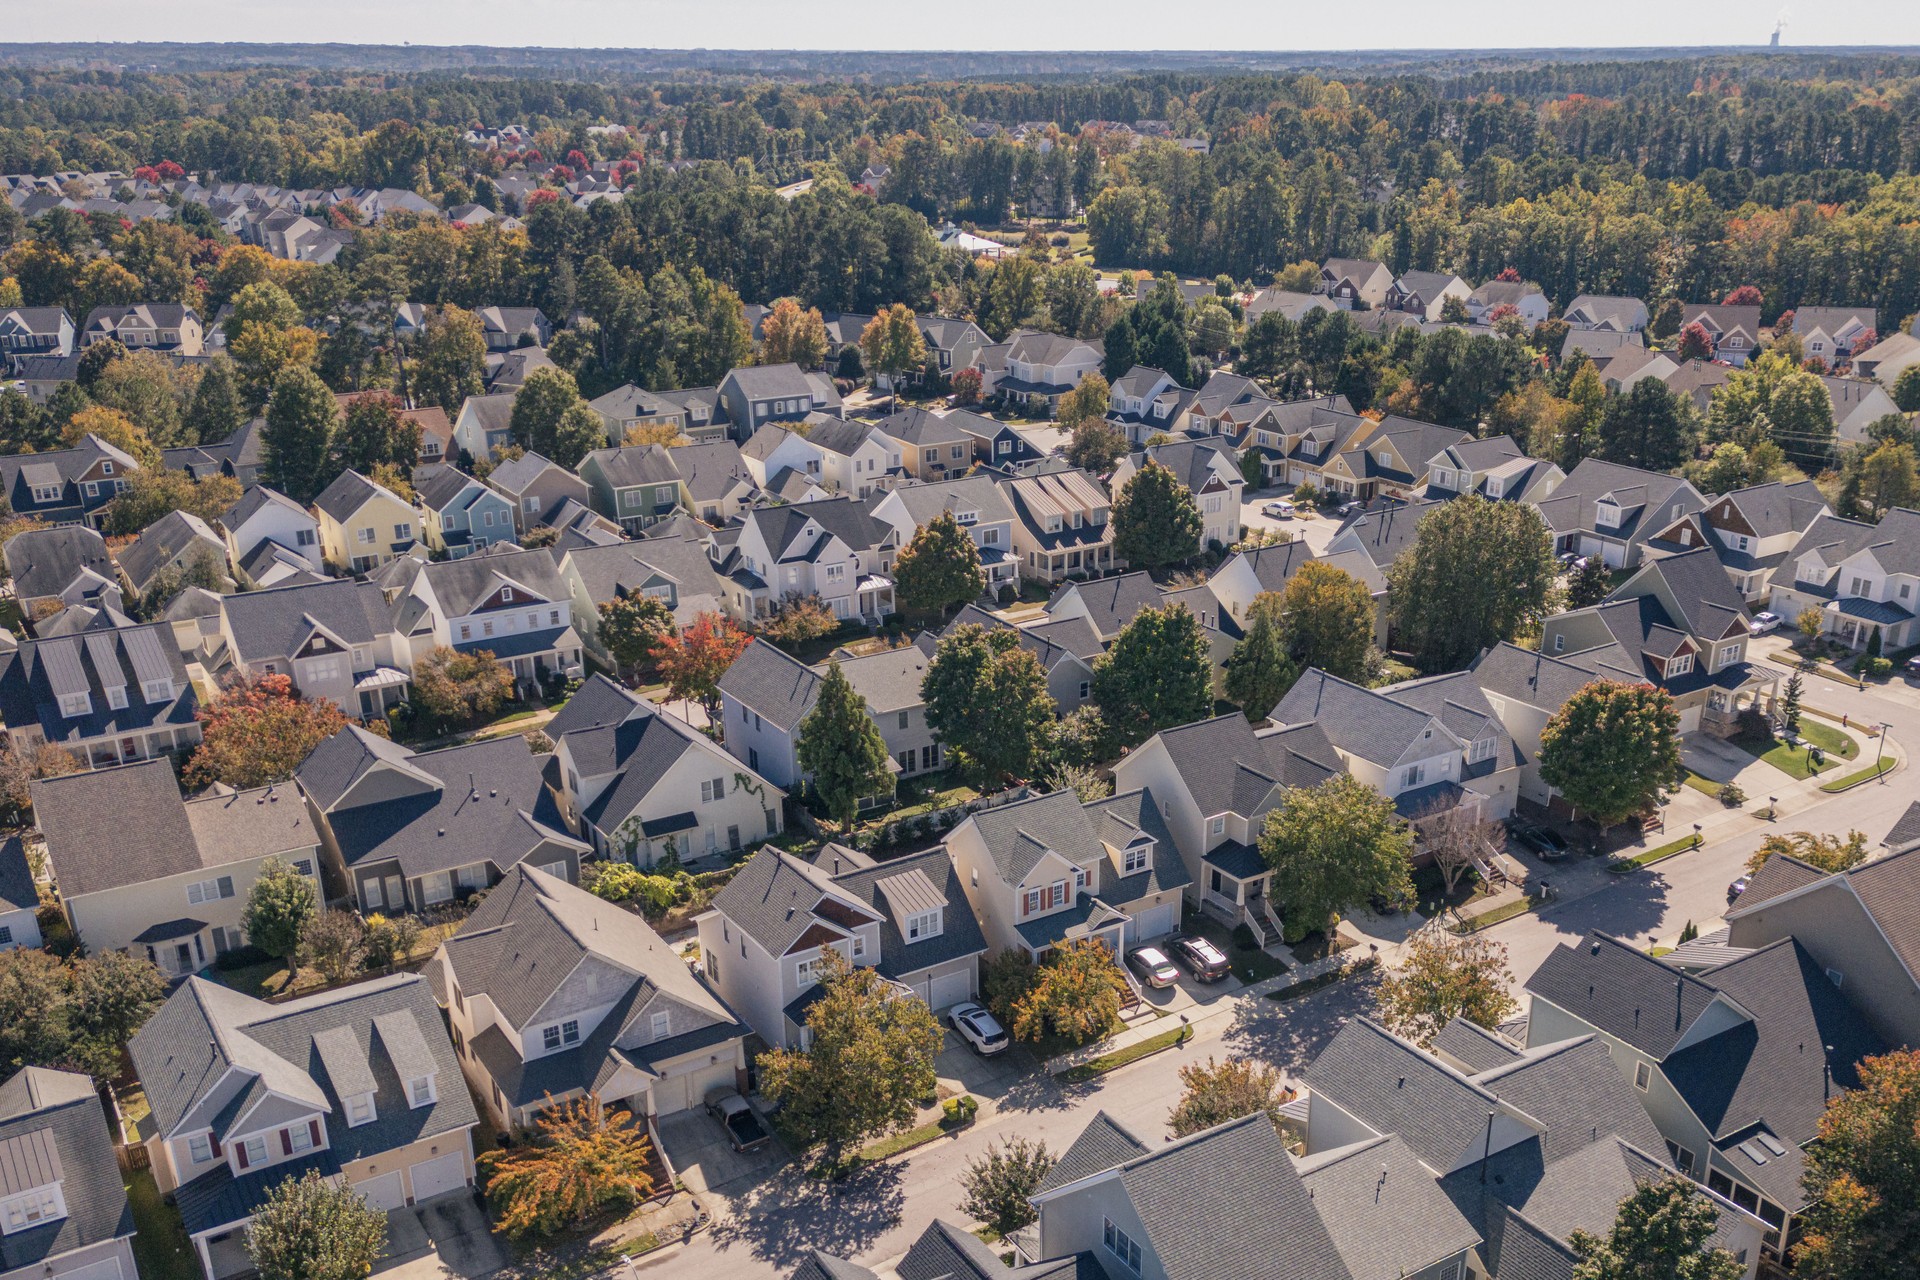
(258, 731)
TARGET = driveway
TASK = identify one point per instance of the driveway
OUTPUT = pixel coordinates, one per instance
(443, 1237)
(704, 1159)
(982, 1077)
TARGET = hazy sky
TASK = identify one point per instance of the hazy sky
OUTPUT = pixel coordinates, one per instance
(927, 24)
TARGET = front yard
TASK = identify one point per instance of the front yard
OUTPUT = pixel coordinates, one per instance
(1797, 761)
(1250, 963)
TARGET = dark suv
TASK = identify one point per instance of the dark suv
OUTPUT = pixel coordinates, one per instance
(1206, 962)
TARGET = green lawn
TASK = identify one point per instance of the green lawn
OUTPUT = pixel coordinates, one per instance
(1093, 1068)
(1797, 762)
(1660, 853)
(10, 616)
(1706, 786)
(160, 1246)
(1829, 739)
(1857, 777)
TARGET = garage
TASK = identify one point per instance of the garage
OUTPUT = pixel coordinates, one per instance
(678, 1093)
(950, 988)
(1690, 719)
(1155, 921)
(438, 1176)
(383, 1192)
(107, 1269)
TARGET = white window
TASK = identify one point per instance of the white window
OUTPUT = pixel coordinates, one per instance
(210, 890)
(466, 631)
(553, 617)
(1606, 515)
(420, 1090)
(1642, 1076)
(1729, 653)
(660, 1025)
(359, 1110)
(836, 573)
(306, 537)
(486, 626)
(1411, 775)
(991, 538)
(530, 504)
(564, 1033)
(1036, 900)
(1123, 1247)
(807, 972)
(319, 669)
(200, 1148)
(117, 697)
(299, 1139)
(31, 1208)
(712, 790)
(1680, 664)
(75, 704)
(1217, 825)
(46, 493)
(925, 925)
(859, 946)
(437, 887)
(1136, 859)
(252, 1152)
(1483, 749)
(403, 532)
(364, 536)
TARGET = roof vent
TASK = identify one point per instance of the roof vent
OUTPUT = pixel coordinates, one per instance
(1596, 949)
(442, 831)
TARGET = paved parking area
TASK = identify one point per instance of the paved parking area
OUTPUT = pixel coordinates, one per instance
(703, 1158)
(981, 1077)
(444, 1237)
(1316, 532)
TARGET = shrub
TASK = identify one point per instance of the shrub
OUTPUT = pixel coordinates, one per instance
(1243, 938)
(960, 1110)
(1732, 795)
(1872, 668)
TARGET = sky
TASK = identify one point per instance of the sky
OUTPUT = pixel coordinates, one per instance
(927, 24)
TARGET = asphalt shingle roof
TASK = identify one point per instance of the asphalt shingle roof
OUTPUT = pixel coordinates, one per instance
(1386, 1214)
(1623, 992)
(960, 932)
(58, 1114)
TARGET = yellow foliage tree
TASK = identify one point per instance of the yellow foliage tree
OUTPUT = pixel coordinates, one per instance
(586, 1159)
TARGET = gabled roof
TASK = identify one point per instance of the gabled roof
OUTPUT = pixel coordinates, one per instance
(462, 586)
(165, 540)
(273, 624)
(1710, 606)
(980, 494)
(349, 492)
(45, 562)
(777, 686)
(918, 426)
(1367, 722)
(634, 464)
(1229, 768)
(778, 898)
(52, 1130)
(1386, 1213)
(1480, 1049)
(1574, 1090)
(907, 886)
(1104, 1143)
(1624, 992)
(1111, 603)
(1017, 836)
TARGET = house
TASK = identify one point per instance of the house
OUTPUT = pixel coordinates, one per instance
(61, 566)
(1830, 334)
(172, 886)
(269, 522)
(554, 994)
(1355, 283)
(1425, 293)
(335, 639)
(1209, 471)
(1606, 314)
(952, 345)
(774, 393)
(43, 376)
(1144, 402)
(1696, 380)
(715, 482)
(1216, 781)
(1042, 367)
(930, 446)
(106, 696)
(634, 484)
(436, 429)
(484, 424)
(1288, 304)
(66, 1210)
(408, 831)
(945, 1250)
(978, 504)
(1735, 1066)
(1607, 510)
(512, 604)
(166, 327)
(1490, 300)
(1857, 405)
(240, 455)
(627, 775)
(855, 457)
(459, 515)
(694, 412)
(358, 1084)
(1735, 331)
(66, 486)
(1600, 345)
(1066, 651)
(1495, 468)
(1207, 414)
(834, 549)
(581, 526)
(507, 371)
(1888, 358)
(764, 939)
(1629, 365)
(766, 695)
(1293, 439)
(536, 488)
(1061, 525)
(1107, 604)
(19, 897)
(1752, 531)
(177, 542)
(1049, 870)
(506, 328)
(1389, 460)
(34, 331)
(1246, 575)
(363, 524)
(995, 443)
(676, 571)
(1863, 578)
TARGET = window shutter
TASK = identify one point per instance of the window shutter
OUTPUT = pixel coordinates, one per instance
(213, 1140)
(226, 886)
(286, 1142)
(313, 1127)
(240, 1153)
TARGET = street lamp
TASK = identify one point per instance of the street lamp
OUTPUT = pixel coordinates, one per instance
(1880, 749)
(1773, 808)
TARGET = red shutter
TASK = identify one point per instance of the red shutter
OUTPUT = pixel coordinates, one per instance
(214, 1142)
(286, 1142)
(241, 1153)
(313, 1127)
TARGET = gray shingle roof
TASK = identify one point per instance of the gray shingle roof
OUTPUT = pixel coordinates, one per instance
(273, 624)
(925, 502)
(778, 687)
(887, 888)
(52, 1124)
(348, 493)
(1018, 835)
(600, 701)
(1623, 992)
(90, 842)
(1104, 1143)
(1386, 1214)
(1367, 722)
(777, 898)
(1111, 603)
(1576, 1091)
(1473, 1044)
(1229, 768)
(45, 562)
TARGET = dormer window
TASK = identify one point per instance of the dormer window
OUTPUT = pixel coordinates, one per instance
(928, 924)
(1606, 515)
(360, 1110)
(506, 595)
(117, 697)
(1136, 859)
(1680, 664)
(31, 1208)
(966, 517)
(560, 1035)
(75, 704)
(420, 1092)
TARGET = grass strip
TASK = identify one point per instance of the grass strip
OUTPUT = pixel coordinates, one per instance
(1705, 786)
(1499, 915)
(1852, 780)
(1093, 1068)
(885, 1149)
(1321, 981)
(1659, 853)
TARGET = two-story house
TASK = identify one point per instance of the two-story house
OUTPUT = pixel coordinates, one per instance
(271, 538)
(763, 941)
(1830, 334)
(766, 695)
(1425, 293)
(634, 484)
(774, 393)
(553, 994)
(1526, 298)
(66, 486)
(978, 505)
(1355, 283)
(1143, 403)
(856, 457)
(358, 1085)
(715, 482)
(363, 524)
(1884, 361)
(64, 1210)
(1065, 649)
(930, 446)
(1386, 459)
(1752, 531)
(952, 345)
(1607, 510)
(34, 331)
(459, 515)
(536, 488)
(995, 443)
(1857, 405)
(1863, 578)
(1049, 870)
(1042, 367)
(506, 328)
(173, 885)
(1735, 331)
(105, 696)
(694, 412)
(61, 566)
(1609, 313)
(1494, 467)
(484, 424)
(835, 549)
(512, 604)
(1061, 525)
(1209, 471)
(335, 639)
(1285, 303)
(177, 542)
(145, 326)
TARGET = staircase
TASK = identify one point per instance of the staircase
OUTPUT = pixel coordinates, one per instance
(1265, 930)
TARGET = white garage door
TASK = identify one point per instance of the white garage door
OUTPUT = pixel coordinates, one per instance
(950, 988)
(1155, 921)
(1689, 719)
(107, 1270)
(383, 1192)
(679, 1093)
(438, 1176)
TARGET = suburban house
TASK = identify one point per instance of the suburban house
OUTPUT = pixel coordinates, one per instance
(1061, 527)
(1049, 870)
(335, 638)
(1752, 531)
(1863, 578)
(1830, 334)
(995, 443)
(554, 994)
(359, 1085)
(65, 1210)
(1734, 1066)
(508, 327)
(363, 524)
(459, 515)
(1066, 650)
(1493, 467)
(952, 345)
(855, 457)
(66, 486)
(834, 549)
(1355, 282)
(1211, 410)
(765, 695)
(1425, 293)
(763, 940)
(1606, 313)
(1294, 439)
(1628, 365)
(715, 483)
(1599, 344)
(1143, 403)
(978, 505)
(1735, 330)
(166, 327)
(1388, 459)
(1489, 301)
(271, 538)
(1857, 405)
(19, 897)
(34, 331)
(1107, 604)
(946, 1250)
(676, 571)
(695, 412)
(104, 696)
(177, 542)
(930, 446)
(774, 393)
(173, 886)
(61, 566)
(536, 488)
(774, 454)
(1209, 471)
(1042, 367)
(635, 484)
(1607, 510)
(484, 424)
(512, 604)
(240, 455)
(1696, 380)
(406, 831)
(625, 776)
(1888, 358)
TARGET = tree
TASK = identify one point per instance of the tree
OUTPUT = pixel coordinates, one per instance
(1075, 995)
(23, 763)
(96, 360)
(300, 421)
(1333, 845)
(1862, 1177)
(216, 412)
(1000, 1183)
(579, 432)
(1326, 618)
(151, 494)
(892, 344)
(1155, 520)
(633, 628)
(280, 905)
(987, 700)
(110, 997)
(1610, 748)
(842, 748)
(1660, 1233)
(538, 406)
(266, 339)
(452, 361)
(1820, 849)
(1442, 977)
(1259, 672)
(1790, 703)
(868, 1063)
(453, 688)
(1478, 573)
(1158, 674)
(1086, 402)
(374, 433)
(1875, 481)
(587, 1158)
(314, 1228)
(116, 429)
(148, 388)
(1695, 343)
(799, 620)
(1810, 622)
(966, 388)
(693, 661)
(1580, 424)
(1455, 836)
(35, 1009)
(1800, 417)
(789, 335)
(1906, 389)
(1216, 1092)
(1648, 427)
(256, 732)
(1095, 445)
(1589, 584)
(939, 568)
(333, 944)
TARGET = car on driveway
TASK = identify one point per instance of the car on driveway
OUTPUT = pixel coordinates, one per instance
(1280, 509)
(1913, 666)
(1349, 509)
(978, 1028)
(1206, 962)
(1151, 966)
(1763, 623)
(1544, 841)
(744, 1130)
(1737, 888)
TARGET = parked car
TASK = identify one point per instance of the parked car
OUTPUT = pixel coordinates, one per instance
(1913, 666)
(1544, 841)
(1278, 510)
(1349, 509)
(744, 1130)
(1737, 888)
(978, 1028)
(1206, 962)
(1151, 966)
(1763, 623)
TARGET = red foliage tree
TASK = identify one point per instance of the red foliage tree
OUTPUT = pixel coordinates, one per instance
(1869, 338)
(258, 731)
(146, 173)
(577, 160)
(966, 387)
(1509, 275)
(1747, 295)
(544, 195)
(692, 662)
(1695, 343)
(170, 171)
(562, 173)
(1814, 364)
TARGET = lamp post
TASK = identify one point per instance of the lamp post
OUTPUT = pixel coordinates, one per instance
(1880, 749)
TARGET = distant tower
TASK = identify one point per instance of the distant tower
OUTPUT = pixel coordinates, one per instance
(1775, 42)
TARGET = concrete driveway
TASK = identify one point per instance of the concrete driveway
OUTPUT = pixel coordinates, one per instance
(703, 1158)
(959, 1066)
(443, 1237)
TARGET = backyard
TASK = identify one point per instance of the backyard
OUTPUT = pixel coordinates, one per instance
(160, 1246)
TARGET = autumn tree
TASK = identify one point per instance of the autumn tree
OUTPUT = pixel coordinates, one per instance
(1157, 674)
(1000, 1184)
(1441, 977)
(633, 628)
(265, 339)
(375, 432)
(966, 388)
(1075, 995)
(1095, 445)
(799, 620)
(1874, 481)
(333, 944)
(1660, 1232)
(1333, 845)
(1694, 343)
(315, 1228)
(1478, 572)
(1862, 1177)
(1456, 837)
(116, 429)
(300, 421)
(585, 1159)
(1155, 519)
(892, 344)
(1821, 849)
(22, 763)
(693, 661)
(151, 494)
(1085, 403)
(280, 905)
(840, 745)
(1260, 672)
(257, 731)
(1326, 620)
(1610, 748)
(789, 335)
(1212, 1093)
(939, 568)
(452, 360)
(987, 701)
(454, 688)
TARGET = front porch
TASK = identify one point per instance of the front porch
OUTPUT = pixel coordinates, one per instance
(1854, 622)
(1736, 690)
(1235, 889)
(1057, 566)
